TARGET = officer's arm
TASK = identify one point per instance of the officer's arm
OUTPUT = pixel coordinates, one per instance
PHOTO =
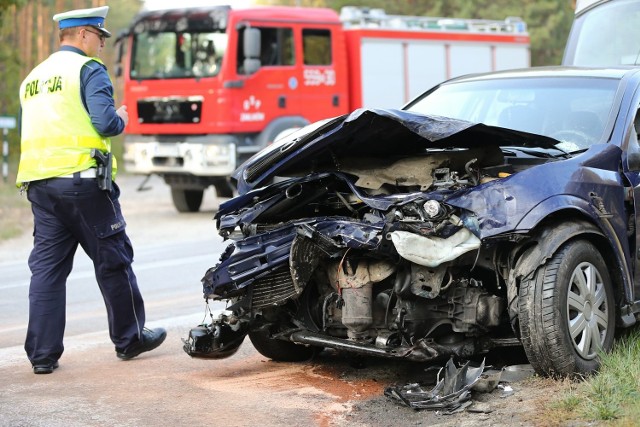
(97, 92)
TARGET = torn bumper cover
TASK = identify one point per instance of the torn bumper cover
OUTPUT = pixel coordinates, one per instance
(218, 340)
(452, 392)
(256, 256)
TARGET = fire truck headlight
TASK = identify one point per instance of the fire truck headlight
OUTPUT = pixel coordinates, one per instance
(216, 151)
(217, 154)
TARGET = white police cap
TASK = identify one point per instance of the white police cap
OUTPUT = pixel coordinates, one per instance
(93, 17)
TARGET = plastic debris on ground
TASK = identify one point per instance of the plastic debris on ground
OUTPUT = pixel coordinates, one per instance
(506, 390)
(451, 394)
(488, 381)
(515, 373)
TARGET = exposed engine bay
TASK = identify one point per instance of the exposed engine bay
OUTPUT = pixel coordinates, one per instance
(377, 246)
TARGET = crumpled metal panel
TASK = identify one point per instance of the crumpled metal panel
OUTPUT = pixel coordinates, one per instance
(379, 132)
(256, 256)
(245, 208)
(507, 204)
(589, 183)
(452, 392)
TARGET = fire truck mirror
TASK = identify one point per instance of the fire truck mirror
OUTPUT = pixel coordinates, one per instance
(119, 55)
(119, 49)
(251, 65)
(252, 43)
(251, 47)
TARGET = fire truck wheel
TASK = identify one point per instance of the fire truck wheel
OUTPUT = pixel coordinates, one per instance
(223, 189)
(186, 200)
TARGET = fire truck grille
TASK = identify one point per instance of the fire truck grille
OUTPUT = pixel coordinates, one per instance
(274, 289)
(170, 110)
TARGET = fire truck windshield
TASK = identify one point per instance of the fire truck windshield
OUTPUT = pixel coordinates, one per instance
(172, 55)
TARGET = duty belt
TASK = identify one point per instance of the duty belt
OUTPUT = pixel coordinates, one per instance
(87, 173)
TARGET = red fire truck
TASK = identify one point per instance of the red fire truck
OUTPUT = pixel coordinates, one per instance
(208, 87)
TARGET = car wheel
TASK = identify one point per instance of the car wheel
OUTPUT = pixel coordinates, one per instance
(279, 350)
(566, 312)
(186, 200)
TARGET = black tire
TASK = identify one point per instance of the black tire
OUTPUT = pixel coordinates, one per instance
(279, 350)
(186, 200)
(567, 312)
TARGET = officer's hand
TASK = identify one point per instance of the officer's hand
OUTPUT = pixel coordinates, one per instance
(122, 112)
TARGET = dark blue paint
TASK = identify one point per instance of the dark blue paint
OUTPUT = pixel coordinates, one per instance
(594, 185)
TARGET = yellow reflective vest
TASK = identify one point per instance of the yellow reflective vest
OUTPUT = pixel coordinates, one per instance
(56, 131)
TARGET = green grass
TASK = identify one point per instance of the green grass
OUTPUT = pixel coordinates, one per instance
(610, 397)
(15, 212)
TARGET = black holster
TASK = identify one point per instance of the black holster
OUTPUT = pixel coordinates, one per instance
(104, 163)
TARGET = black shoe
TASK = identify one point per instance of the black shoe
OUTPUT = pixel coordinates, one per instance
(45, 367)
(151, 338)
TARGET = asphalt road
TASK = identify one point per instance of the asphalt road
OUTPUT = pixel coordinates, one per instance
(172, 253)
(166, 387)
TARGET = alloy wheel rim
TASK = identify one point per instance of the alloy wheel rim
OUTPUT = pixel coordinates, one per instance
(587, 310)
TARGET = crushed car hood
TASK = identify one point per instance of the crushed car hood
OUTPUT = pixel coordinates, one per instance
(520, 180)
(374, 133)
(320, 154)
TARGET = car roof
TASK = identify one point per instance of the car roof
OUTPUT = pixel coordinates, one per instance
(554, 71)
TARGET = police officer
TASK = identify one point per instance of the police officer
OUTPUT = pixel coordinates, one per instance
(68, 114)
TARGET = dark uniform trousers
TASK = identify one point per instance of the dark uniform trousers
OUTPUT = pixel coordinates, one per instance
(68, 211)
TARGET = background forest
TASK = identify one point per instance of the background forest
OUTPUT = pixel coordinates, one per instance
(28, 34)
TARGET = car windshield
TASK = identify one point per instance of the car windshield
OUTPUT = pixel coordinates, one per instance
(173, 55)
(571, 110)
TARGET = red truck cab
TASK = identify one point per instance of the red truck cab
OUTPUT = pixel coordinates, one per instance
(201, 103)
(208, 87)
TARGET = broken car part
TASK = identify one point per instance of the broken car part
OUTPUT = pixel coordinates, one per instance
(434, 231)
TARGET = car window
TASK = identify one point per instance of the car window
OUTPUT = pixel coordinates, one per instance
(573, 111)
(606, 35)
(632, 144)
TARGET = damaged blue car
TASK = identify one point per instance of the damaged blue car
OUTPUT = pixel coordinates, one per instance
(493, 211)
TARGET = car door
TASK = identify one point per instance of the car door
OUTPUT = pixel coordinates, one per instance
(632, 166)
